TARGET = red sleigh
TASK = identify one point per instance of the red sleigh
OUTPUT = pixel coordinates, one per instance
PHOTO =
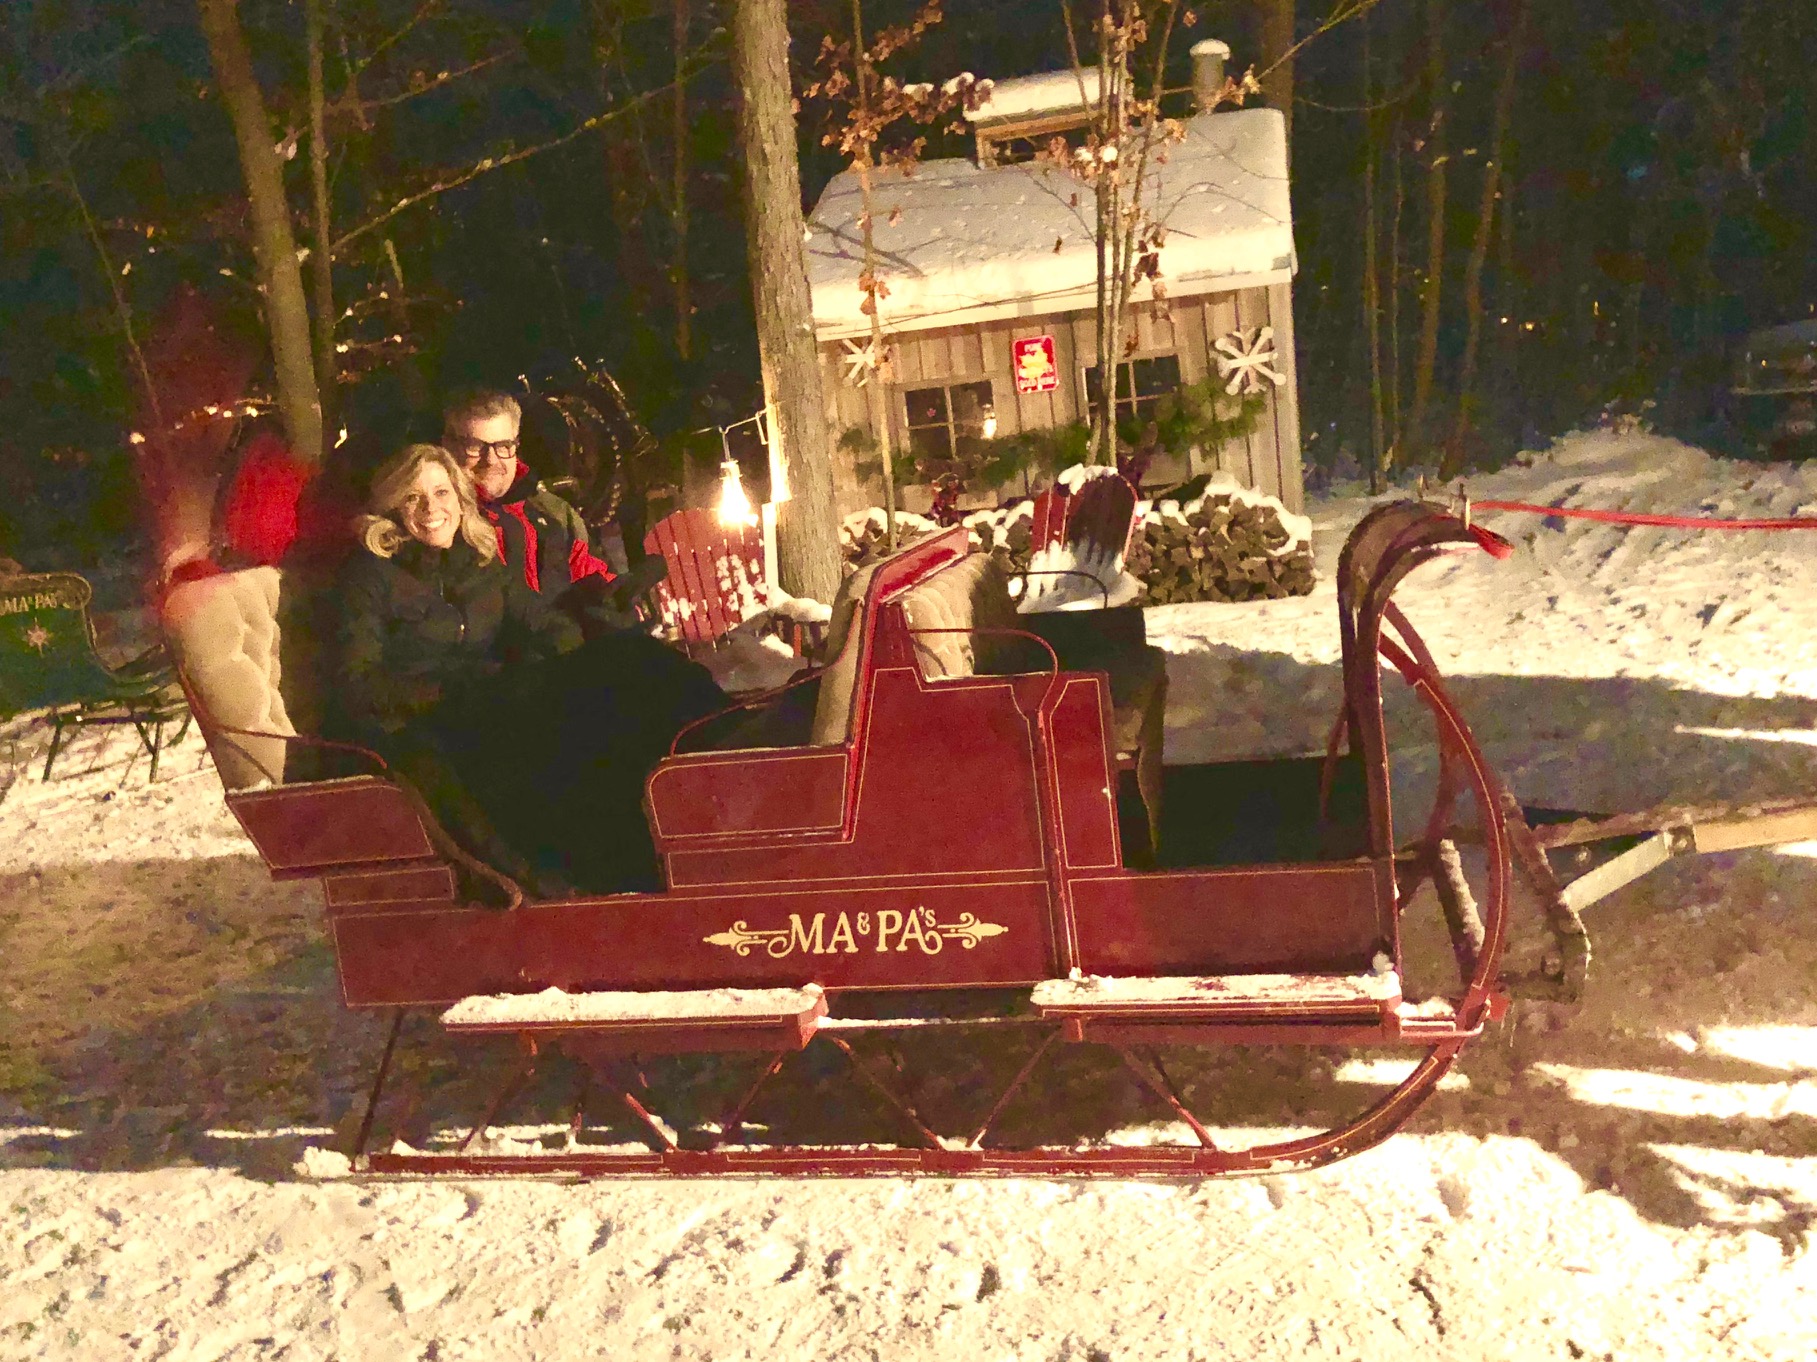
(970, 820)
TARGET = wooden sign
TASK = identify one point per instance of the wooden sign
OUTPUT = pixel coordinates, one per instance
(1037, 370)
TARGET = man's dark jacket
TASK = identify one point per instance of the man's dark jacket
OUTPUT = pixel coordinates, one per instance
(542, 536)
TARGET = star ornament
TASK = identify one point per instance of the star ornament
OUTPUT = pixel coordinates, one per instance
(38, 637)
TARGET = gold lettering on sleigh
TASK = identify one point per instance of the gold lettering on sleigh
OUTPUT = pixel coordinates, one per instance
(918, 928)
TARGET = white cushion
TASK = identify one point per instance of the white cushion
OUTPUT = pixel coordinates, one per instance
(224, 633)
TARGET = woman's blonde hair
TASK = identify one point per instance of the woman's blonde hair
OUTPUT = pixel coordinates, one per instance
(383, 532)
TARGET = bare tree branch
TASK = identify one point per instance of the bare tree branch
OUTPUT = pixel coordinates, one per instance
(492, 163)
(321, 262)
(428, 7)
(440, 79)
(1399, 97)
(1341, 13)
(122, 305)
(69, 78)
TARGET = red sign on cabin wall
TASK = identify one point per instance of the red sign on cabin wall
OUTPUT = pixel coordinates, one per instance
(1037, 371)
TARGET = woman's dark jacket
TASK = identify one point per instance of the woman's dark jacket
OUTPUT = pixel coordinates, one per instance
(428, 628)
(531, 747)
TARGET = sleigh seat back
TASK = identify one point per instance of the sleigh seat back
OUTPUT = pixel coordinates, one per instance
(965, 595)
(223, 631)
(949, 613)
(246, 664)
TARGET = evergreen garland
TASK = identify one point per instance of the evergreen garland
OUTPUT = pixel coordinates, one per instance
(1200, 414)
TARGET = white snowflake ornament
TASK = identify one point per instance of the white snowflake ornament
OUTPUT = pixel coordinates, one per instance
(1246, 359)
(861, 362)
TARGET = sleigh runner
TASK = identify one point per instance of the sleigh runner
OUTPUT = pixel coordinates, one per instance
(970, 822)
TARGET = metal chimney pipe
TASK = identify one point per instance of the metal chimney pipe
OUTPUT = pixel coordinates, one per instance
(1208, 58)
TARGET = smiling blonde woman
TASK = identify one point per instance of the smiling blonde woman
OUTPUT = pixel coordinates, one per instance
(421, 484)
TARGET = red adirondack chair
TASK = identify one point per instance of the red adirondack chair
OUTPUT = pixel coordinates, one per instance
(716, 579)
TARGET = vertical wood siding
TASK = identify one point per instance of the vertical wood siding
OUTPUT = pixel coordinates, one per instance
(1268, 459)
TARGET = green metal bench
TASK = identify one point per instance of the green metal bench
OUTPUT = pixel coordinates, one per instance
(48, 661)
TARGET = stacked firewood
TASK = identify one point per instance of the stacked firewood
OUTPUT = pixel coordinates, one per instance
(1222, 546)
(1225, 545)
(1007, 535)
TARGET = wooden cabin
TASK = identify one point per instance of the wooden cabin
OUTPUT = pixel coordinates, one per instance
(991, 271)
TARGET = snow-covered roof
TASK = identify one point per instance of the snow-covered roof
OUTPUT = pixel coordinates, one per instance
(1049, 92)
(958, 242)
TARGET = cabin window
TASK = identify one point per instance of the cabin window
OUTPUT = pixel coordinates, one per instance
(944, 423)
(1141, 384)
(1008, 149)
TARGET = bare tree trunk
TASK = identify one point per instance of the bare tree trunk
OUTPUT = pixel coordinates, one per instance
(1110, 343)
(873, 303)
(1395, 348)
(273, 242)
(627, 181)
(321, 258)
(678, 211)
(1372, 293)
(1433, 293)
(1277, 61)
(807, 531)
(1117, 184)
(1479, 247)
(1103, 433)
(1134, 220)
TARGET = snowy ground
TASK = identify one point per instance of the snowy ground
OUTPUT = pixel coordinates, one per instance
(1636, 1181)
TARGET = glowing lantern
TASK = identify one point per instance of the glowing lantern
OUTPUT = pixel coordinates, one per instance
(734, 505)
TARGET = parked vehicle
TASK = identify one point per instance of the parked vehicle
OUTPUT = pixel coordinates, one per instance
(1774, 390)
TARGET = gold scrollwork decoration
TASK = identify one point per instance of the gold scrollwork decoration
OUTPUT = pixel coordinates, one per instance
(968, 931)
(741, 938)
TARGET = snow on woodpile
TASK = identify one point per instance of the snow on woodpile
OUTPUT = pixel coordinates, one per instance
(1228, 544)
(554, 1007)
(1007, 532)
(1073, 479)
(863, 538)
(962, 242)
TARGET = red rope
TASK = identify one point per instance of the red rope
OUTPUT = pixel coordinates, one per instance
(1675, 522)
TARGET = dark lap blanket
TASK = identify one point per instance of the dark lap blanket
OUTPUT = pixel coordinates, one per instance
(557, 753)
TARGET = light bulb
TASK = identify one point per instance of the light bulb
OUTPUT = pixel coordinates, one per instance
(989, 428)
(734, 505)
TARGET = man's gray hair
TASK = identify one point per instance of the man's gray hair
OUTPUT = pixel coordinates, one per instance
(478, 404)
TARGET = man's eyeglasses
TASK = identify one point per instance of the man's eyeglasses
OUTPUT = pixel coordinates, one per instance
(473, 452)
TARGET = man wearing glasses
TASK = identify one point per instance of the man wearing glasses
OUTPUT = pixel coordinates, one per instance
(536, 528)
